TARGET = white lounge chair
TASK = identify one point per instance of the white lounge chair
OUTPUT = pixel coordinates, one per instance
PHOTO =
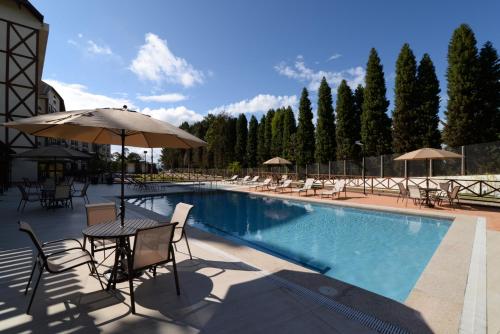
(244, 180)
(307, 186)
(336, 190)
(262, 185)
(286, 184)
(254, 180)
(233, 179)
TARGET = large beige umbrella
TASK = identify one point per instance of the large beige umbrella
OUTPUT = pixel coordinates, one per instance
(109, 126)
(428, 154)
(277, 161)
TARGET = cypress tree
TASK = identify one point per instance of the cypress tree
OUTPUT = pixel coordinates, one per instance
(463, 99)
(269, 133)
(325, 129)
(261, 141)
(252, 142)
(346, 122)
(489, 94)
(289, 129)
(277, 133)
(304, 138)
(241, 139)
(428, 104)
(358, 98)
(230, 139)
(375, 124)
(405, 128)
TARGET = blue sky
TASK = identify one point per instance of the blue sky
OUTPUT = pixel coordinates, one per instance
(178, 60)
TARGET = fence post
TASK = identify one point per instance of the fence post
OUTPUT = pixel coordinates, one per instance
(462, 165)
(329, 169)
(406, 173)
(345, 167)
(381, 166)
(306, 169)
(318, 171)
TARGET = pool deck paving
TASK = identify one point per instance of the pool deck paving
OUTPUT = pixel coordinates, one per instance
(231, 288)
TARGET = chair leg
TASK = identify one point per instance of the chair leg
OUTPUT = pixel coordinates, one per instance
(131, 283)
(187, 243)
(175, 275)
(34, 290)
(20, 202)
(31, 276)
(97, 274)
(24, 205)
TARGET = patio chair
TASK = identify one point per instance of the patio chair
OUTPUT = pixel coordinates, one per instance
(83, 193)
(56, 262)
(453, 196)
(283, 178)
(244, 180)
(62, 195)
(403, 192)
(152, 247)
(97, 214)
(180, 216)
(263, 185)
(232, 179)
(416, 195)
(26, 197)
(307, 186)
(254, 180)
(281, 187)
(336, 190)
(444, 188)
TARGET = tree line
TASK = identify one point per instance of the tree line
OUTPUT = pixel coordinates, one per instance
(359, 124)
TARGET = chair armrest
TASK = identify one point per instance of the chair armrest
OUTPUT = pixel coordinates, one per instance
(60, 240)
(67, 250)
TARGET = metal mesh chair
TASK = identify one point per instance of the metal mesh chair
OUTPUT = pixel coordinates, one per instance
(83, 193)
(416, 195)
(56, 262)
(180, 215)
(62, 194)
(26, 197)
(403, 192)
(152, 247)
(97, 214)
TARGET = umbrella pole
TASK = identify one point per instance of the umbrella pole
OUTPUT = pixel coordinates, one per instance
(122, 183)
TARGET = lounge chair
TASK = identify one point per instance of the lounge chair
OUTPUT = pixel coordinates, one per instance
(307, 186)
(281, 187)
(336, 190)
(403, 192)
(26, 197)
(152, 247)
(243, 180)
(57, 262)
(180, 216)
(284, 177)
(233, 179)
(263, 185)
(254, 180)
(416, 195)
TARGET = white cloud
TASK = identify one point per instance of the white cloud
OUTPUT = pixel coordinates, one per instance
(80, 35)
(156, 62)
(260, 103)
(175, 116)
(163, 98)
(335, 56)
(77, 96)
(299, 71)
(92, 47)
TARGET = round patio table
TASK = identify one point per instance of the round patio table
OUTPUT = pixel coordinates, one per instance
(428, 192)
(123, 254)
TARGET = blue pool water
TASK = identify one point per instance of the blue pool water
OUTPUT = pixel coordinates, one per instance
(381, 252)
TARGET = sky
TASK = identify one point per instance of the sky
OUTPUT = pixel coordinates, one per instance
(180, 60)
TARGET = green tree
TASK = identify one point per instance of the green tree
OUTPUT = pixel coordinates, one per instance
(216, 141)
(269, 133)
(134, 157)
(375, 124)
(428, 104)
(289, 129)
(347, 119)
(241, 139)
(489, 94)
(305, 131)
(405, 128)
(463, 100)
(277, 133)
(261, 141)
(230, 139)
(325, 129)
(252, 142)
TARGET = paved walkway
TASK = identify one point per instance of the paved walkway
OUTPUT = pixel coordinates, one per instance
(218, 293)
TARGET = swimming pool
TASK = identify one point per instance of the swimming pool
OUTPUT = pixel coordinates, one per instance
(379, 251)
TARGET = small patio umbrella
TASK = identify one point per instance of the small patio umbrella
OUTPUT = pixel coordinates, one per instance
(116, 126)
(54, 153)
(428, 154)
(277, 161)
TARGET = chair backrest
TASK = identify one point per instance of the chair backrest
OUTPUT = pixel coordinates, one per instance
(308, 184)
(152, 245)
(453, 194)
(286, 184)
(21, 188)
(284, 177)
(62, 192)
(246, 178)
(402, 189)
(445, 186)
(100, 213)
(84, 189)
(267, 181)
(49, 183)
(181, 213)
(339, 186)
(26, 228)
(255, 178)
(414, 192)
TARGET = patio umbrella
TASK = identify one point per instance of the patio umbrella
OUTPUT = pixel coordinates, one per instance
(277, 161)
(428, 154)
(116, 126)
(53, 152)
